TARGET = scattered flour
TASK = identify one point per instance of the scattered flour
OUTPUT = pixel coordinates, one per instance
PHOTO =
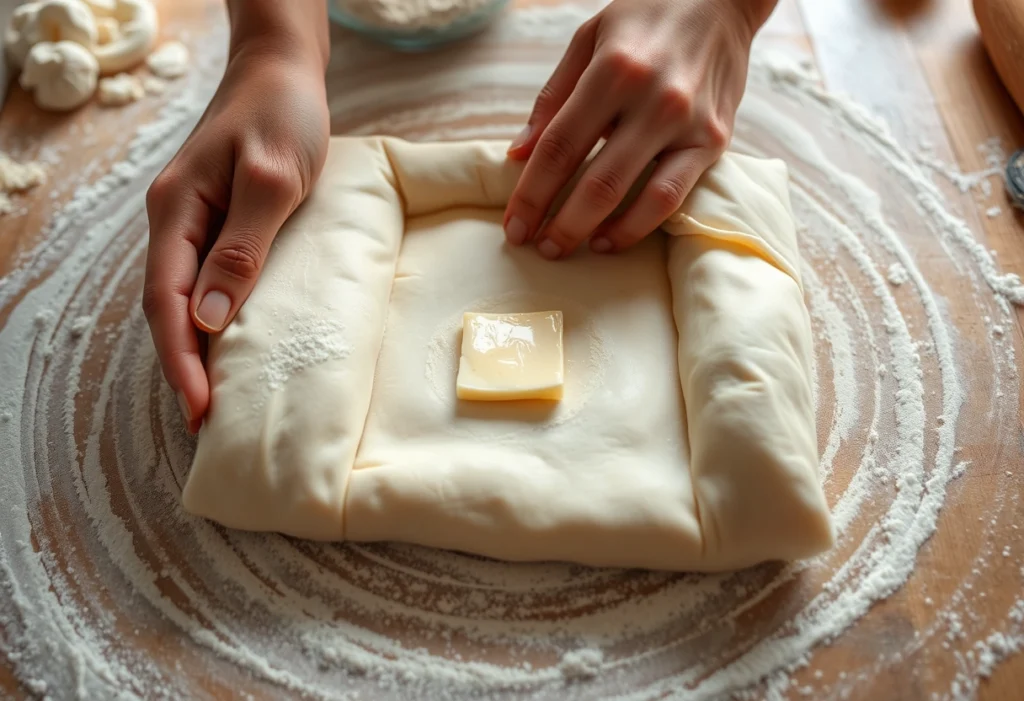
(981, 180)
(92, 458)
(581, 664)
(311, 343)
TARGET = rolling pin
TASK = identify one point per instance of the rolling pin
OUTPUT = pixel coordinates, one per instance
(1002, 32)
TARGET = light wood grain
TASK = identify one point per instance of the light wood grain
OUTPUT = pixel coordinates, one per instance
(1002, 30)
(922, 66)
(918, 63)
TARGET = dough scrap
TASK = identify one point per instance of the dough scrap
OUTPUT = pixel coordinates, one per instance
(169, 61)
(686, 437)
(120, 90)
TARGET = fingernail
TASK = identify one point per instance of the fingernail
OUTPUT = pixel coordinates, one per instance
(549, 249)
(600, 245)
(515, 231)
(183, 405)
(523, 137)
(213, 309)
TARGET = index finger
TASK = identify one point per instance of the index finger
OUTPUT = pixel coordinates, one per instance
(559, 152)
(177, 228)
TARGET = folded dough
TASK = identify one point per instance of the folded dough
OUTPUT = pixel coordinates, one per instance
(686, 438)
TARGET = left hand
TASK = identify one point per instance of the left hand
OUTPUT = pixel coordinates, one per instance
(662, 80)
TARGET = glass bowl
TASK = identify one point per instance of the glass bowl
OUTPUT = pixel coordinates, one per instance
(420, 39)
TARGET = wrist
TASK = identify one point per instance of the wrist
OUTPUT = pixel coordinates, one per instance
(296, 30)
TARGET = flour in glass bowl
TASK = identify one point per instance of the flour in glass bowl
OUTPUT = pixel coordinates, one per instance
(110, 589)
(410, 15)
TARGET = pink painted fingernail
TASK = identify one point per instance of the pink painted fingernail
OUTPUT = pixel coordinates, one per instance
(515, 231)
(522, 138)
(549, 249)
(183, 405)
(213, 310)
(600, 245)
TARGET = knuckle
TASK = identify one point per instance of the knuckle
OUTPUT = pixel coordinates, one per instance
(160, 189)
(526, 205)
(603, 189)
(668, 194)
(557, 151)
(624, 238)
(565, 238)
(241, 257)
(546, 102)
(172, 359)
(152, 302)
(624, 234)
(629, 66)
(674, 103)
(171, 356)
(272, 180)
(586, 28)
(717, 134)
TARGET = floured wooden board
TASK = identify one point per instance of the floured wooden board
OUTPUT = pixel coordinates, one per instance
(108, 584)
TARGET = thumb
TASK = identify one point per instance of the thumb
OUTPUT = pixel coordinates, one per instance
(263, 195)
(556, 91)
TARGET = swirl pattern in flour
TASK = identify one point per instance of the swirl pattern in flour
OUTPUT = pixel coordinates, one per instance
(110, 589)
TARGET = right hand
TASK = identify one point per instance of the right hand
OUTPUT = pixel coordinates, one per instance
(251, 160)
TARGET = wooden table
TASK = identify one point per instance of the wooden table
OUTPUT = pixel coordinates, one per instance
(918, 63)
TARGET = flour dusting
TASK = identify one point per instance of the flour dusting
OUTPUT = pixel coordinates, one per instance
(581, 664)
(310, 343)
(109, 590)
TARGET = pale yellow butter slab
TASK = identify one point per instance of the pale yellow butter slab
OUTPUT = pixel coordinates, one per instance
(508, 357)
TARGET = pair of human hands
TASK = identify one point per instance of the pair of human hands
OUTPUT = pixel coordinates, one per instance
(659, 79)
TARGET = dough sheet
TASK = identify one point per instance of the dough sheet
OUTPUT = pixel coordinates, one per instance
(686, 437)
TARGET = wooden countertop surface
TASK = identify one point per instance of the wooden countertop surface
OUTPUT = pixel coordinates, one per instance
(917, 63)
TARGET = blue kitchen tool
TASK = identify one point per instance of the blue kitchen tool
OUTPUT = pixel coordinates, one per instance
(1015, 179)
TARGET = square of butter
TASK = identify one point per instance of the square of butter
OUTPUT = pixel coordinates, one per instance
(507, 357)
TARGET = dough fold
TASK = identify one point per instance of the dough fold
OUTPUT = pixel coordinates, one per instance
(686, 439)
(745, 365)
(291, 376)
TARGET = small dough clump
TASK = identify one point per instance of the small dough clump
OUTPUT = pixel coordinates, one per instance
(153, 85)
(116, 34)
(122, 89)
(22, 32)
(17, 177)
(61, 76)
(169, 61)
